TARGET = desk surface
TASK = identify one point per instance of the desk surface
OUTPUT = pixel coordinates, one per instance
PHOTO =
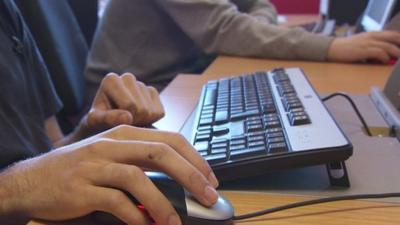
(339, 213)
(326, 77)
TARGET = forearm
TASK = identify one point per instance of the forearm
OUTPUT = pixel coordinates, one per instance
(260, 9)
(220, 28)
(10, 209)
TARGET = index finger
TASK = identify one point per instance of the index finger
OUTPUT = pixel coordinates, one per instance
(162, 158)
(174, 140)
(387, 36)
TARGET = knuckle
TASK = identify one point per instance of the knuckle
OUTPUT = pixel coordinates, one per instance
(91, 117)
(158, 151)
(136, 174)
(160, 114)
(140, 84)
(143, 112)
(122, 129)
(99, 144)
(116, 199)
(111, 81)
(178, 139)
(152, 90)
(111, 77)
(128, 77)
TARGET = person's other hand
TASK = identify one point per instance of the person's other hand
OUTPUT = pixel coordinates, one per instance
(122, 100)
(378, 46)
(92, 175)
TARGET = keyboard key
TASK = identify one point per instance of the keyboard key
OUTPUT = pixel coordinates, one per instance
(241, 116)
(215, 151)
(216, 158)
(277, 147)
(203, 137)
(255, 134)
(275, 140)
(219, 140)
(256, 143)
(275, 135)
(210, 97)
(293, 106)
(205, 121)
(272, 124)
(300, 120)
(255, 138)
(247, 153)
(204, 132)
(237, 147)
(253, 128)
(238, 141)
(202, 146)
(219, 131)
(219, 145)
(203, 153)
(221, 117)
(202, 128)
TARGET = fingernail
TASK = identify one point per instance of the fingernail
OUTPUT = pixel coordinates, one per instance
(174, 220)
(213, 180)
(211, 194)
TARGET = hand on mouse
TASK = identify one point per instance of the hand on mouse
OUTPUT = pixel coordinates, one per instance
(121, 100)
(90, 175)
(381, 46)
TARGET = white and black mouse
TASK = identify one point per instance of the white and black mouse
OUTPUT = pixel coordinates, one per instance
(189, 209)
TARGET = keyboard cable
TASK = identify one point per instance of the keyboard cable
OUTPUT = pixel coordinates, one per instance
(348, 98)
(315, 202)
(326, 199)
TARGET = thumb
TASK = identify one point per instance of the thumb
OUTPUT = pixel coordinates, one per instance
(104, 119)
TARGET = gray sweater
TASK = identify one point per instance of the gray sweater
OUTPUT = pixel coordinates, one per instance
(156, 39)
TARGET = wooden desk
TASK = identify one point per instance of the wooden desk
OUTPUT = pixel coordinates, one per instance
(326, 77)
(338, 213)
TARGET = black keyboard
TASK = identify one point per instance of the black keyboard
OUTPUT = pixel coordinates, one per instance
(259, 122)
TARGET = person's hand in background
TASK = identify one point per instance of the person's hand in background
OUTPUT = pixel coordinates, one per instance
(96, 173)
(121, 100)
(378, 46)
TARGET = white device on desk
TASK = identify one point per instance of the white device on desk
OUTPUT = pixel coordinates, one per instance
(377, 14)
(388, 101)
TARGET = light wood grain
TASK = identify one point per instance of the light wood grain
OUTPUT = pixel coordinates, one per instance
(325, 77)
(337, 213)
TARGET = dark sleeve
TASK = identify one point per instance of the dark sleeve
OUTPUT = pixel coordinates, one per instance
(50, 101)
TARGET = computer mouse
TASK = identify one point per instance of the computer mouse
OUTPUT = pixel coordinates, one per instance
(188, 208)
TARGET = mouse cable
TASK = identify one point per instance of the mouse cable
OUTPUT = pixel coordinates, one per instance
(348, 98)
(315, 202)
